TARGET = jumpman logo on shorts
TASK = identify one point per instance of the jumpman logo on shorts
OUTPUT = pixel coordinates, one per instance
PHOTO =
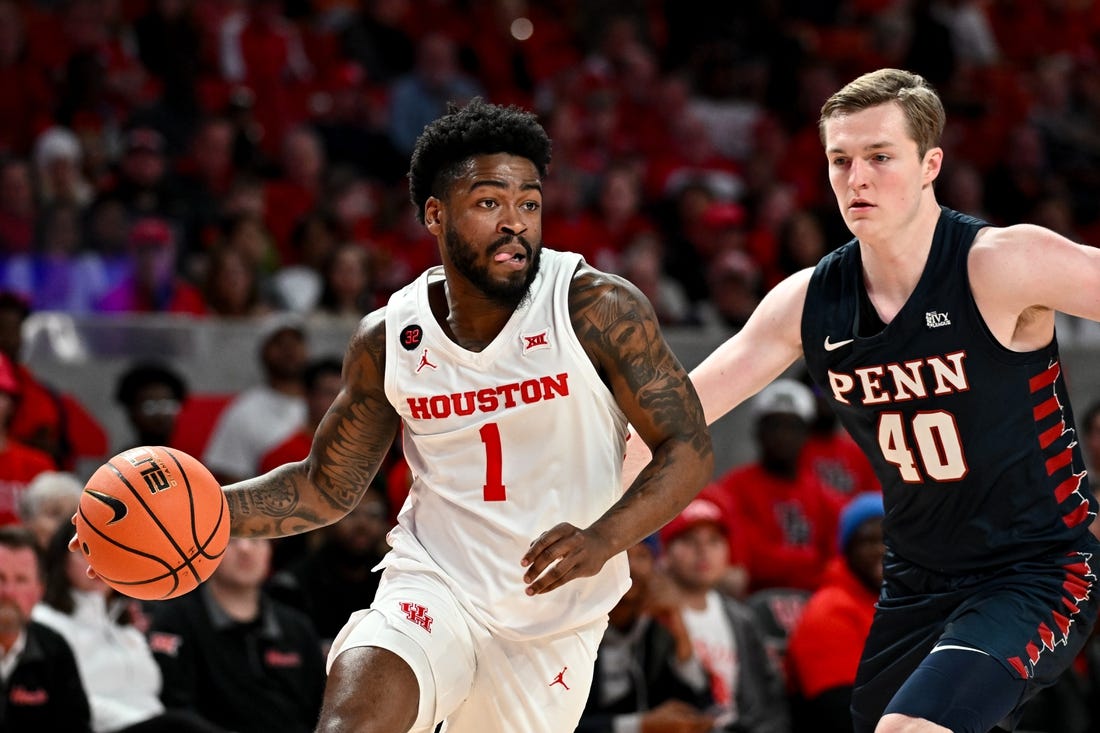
(560, 679)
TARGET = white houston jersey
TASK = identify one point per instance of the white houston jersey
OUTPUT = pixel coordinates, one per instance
(503, 444)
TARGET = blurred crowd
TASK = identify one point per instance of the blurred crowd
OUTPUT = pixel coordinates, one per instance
(246, 159)
(225, 158)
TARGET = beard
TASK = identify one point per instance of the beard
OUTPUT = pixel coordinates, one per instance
(510, 292)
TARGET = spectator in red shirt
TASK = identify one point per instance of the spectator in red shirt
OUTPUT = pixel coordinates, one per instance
(19, 463)
(832, 455)
(38, 415)
(298, 188)
(785, 518)
(825, 646)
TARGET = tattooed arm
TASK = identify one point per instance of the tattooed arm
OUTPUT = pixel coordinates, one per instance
(619, 330)
(348, 447)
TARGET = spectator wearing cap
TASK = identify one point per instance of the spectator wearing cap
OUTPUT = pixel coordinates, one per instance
(19, 463)
(264, 415)
(747, 687)
(58, 158)
(704, 226)
(153, 285)
(787, 517)
(825, 646)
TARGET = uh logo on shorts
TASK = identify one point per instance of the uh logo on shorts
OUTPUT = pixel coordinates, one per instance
(417, 614)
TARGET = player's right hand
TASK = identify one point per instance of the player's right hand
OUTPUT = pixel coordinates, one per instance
(676, 716)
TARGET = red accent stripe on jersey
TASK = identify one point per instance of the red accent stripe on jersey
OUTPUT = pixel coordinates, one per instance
(1044, 378)
(1077, 586)
(1018, 665)
(1067, 487)
(1060, 460)
(1063, 624)
(1045, 408)
(1078, 515)
(1078, 568)
(1050, 435)
(1046, 636)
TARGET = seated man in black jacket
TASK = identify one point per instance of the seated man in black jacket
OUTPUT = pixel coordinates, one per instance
(647, 677)
(236, 657)
(40, 685)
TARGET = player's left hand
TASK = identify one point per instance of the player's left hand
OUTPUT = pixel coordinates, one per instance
(74, 546)
(560, 554)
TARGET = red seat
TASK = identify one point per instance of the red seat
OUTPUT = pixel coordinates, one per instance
(196, 421)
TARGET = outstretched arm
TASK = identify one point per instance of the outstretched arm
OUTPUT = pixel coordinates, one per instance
(348, 447)
(1021, 275)
(746, 362)
(619, 330)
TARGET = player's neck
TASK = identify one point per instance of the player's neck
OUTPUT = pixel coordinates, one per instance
(469, 318)
(893, 265)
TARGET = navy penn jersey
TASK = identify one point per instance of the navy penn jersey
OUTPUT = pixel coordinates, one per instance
(974, 444)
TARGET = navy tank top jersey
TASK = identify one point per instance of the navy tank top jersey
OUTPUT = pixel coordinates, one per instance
(974, 444)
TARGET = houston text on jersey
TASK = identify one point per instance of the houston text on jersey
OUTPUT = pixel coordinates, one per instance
(489, 399)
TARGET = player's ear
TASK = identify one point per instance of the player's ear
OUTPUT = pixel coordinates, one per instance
(433, 212)
(933, 162)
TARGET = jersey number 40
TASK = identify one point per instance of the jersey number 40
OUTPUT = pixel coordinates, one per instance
(936, 438)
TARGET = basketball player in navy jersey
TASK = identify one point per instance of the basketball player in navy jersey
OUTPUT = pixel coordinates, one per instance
(513, 371)
(932, 333)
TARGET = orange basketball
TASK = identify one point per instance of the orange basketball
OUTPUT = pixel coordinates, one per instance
(153, 523)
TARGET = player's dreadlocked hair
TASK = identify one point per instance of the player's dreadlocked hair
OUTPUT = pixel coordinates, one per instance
(479, 128)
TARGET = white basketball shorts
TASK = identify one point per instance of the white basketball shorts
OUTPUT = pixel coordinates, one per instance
(470, 680)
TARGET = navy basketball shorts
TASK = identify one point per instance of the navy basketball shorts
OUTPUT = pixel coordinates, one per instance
(1031, 618)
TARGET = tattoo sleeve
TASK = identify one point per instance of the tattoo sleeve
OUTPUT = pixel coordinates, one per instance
(349, 446)
(619, 329)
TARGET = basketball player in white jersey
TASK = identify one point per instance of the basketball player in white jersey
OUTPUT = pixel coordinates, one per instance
(513, 371)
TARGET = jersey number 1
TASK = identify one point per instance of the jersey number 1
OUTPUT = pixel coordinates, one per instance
(494, 483)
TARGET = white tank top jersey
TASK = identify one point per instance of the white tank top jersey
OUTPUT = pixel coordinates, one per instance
(503, 444)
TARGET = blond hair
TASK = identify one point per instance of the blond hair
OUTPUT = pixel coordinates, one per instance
(921, 104)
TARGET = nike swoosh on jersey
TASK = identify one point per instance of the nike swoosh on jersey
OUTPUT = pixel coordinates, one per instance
(834, 345)
(117, 505)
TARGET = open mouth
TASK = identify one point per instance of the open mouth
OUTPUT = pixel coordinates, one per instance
(513, 255)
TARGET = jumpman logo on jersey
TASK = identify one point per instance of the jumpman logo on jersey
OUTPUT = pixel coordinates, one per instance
(424, 362)
(560, 679)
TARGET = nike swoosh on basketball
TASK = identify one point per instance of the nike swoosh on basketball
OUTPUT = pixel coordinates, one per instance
(834, 345)
(117, 505)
